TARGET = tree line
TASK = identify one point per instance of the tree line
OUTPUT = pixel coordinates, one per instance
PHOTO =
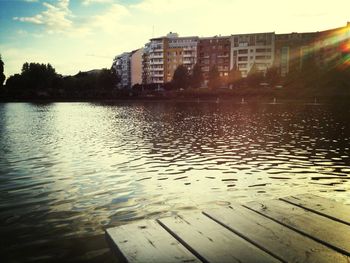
(41, 81)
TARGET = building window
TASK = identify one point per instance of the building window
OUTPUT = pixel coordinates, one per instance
(242, 58)
(243, 51)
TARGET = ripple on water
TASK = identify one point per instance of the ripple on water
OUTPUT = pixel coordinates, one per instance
(70, 170)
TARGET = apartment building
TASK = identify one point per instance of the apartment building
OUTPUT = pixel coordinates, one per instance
(291, 50)
(146, 78)
(128, 66)
(250, 49)
(164, 54)
(214, 51)
(122, 66)
(136, 67)
(160, 57)
(156, 60)
(179, 51)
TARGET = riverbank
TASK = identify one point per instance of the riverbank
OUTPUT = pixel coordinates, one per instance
(242, 96)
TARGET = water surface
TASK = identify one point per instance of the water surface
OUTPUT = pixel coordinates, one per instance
(70, 170)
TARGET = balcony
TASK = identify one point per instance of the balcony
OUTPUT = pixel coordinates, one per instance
(157, 75)
(156, 62)
(245, 44)
(189, 49)
(188, 55)
(157, 68)
(157, 81)
(156, 56)
(157, 50)
(187, 62)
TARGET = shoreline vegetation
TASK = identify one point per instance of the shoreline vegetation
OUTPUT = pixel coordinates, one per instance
(40, 83)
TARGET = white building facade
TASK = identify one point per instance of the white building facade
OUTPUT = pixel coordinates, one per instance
(128, 67)
(156, 60)
(250, 49)
(122, 65)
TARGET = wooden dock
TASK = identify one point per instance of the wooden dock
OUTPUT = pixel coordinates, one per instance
(302, 228)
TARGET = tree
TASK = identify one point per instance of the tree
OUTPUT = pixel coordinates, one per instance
(35, 80)
(272, 76)
(255, 76)
(196, 78)
(2, 75)
(117, 78)
(180, 78)
(234, 76)
(214, 78)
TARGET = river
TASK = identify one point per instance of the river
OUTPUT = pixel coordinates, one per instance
(70, 170)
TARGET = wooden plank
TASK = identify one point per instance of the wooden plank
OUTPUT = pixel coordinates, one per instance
(147, 241)
(322, 229)
(211, 242)
(322, 206)
(278, 240)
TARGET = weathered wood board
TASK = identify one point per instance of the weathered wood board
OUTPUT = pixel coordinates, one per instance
(323, 206)
(147, 241)
(284, 243)
(317, 227)
(303, 228)
(212, 242)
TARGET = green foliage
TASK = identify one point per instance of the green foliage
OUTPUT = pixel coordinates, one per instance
(214, 81)
(180, 78)
(234, 76)
(272, 76)
(196, 78)
(255, 76)
(41, 81)
(35, 80)
(2, 75)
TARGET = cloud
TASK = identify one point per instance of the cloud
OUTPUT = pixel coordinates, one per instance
(34, 19)
(56, 17)
(31, 1)
(69, 32)
(89, 2)
(110, 21)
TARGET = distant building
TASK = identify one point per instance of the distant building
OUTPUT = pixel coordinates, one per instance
(122, 66)
(214, 51)
(292, 49)
(325, 46)
(179, 51)
(128, 66)
(158, 60)
(250, 49)
(146, 77)
(136, 67)
(333, 46)
(164, 54)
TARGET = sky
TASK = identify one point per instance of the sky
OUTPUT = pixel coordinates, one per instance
(81, 35)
